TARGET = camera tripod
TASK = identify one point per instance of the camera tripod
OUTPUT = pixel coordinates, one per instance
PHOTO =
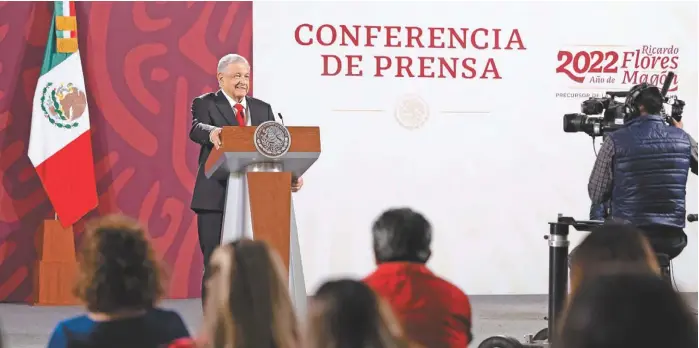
(558, 282)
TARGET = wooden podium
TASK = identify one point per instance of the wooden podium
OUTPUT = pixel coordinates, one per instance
(267, 180)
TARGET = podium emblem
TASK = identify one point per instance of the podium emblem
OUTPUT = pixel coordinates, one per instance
(272, 139)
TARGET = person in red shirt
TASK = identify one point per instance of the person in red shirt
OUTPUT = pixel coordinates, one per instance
(434, 312)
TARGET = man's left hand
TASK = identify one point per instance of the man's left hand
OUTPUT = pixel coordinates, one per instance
(296, 184)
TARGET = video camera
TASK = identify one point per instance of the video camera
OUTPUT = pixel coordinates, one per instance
(587, 121)
(614, 113)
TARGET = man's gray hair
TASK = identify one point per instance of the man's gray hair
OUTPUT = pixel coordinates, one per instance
(401, 234)
(229, 59)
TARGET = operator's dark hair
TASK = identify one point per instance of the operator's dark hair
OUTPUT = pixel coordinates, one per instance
(401, 234)
(651, 99)
(627, 310)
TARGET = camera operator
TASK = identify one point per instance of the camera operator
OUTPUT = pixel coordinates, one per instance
(642, 170)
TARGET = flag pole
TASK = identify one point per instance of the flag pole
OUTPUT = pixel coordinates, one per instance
(55, 268)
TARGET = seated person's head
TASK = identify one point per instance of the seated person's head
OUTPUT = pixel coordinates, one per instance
(118, 267)
(401, 235)
(248, 303)
(348, 314)
(611, 248)
(627, 310)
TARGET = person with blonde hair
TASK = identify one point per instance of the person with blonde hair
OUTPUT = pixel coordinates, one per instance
(120, 283)
(248, 303)
(348, 314)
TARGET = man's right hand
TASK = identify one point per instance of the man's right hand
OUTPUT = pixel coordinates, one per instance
(215, 137)
(676, 123)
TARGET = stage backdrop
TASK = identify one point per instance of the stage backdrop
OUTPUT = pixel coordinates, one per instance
(482, 154)
(456, 109)
(143, 63)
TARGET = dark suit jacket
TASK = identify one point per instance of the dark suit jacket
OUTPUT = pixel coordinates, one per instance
(209, 111)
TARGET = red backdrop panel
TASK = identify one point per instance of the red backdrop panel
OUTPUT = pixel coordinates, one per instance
(144, 63)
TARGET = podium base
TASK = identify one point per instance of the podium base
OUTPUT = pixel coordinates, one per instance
(56, 269)
(54, 283)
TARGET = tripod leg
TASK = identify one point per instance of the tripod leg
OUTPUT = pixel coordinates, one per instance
(664, 263)
(558, 272)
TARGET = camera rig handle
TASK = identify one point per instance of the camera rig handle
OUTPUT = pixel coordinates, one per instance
(692, 217)
(579, 225)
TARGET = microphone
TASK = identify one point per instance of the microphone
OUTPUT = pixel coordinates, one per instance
(281, 118)
(667, 83)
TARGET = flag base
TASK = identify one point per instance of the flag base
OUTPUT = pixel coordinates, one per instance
(56, 268)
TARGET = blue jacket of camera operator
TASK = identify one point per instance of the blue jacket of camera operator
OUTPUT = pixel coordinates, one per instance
(599, 211)
(650, 168)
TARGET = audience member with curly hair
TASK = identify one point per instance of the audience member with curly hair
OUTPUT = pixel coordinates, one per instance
(119, 283)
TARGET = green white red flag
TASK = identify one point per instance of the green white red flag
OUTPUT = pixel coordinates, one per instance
(60, 144)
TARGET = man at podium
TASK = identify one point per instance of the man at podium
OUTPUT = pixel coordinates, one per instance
(229, 106)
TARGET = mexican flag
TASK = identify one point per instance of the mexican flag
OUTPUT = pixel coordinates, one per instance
(60, 145)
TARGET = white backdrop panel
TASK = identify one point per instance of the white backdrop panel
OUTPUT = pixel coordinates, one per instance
(491, 165)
